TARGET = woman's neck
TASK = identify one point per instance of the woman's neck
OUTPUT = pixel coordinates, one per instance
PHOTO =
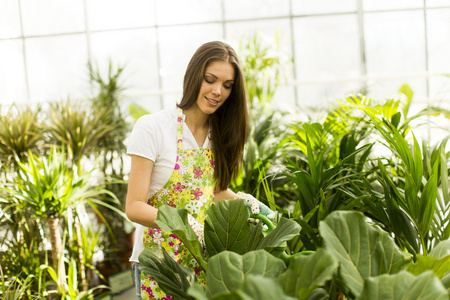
(198, 124)
(196, 119)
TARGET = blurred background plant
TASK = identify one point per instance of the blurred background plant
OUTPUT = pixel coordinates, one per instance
(63, 174)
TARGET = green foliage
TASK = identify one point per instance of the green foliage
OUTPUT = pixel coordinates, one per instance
(262, 156)
(172, 277)
(14, 288)
(45, 190)
(228, 270)
(306, 273)
(226, 228)
(403, 285)
(410, 181)
(359, 258)
(176, 221)
(362, 251)
(69, 289)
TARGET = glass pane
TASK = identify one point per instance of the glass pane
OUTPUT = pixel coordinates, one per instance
(12, 73)
(268, 31)
(113, 14)
(395, 42)
(249, 9)
(438, 29)
(327, 48)
(389, 4)
(177, 44)
(57, 67)
(284, 98)
(437, 3)
(440, 90)
(322, 95)
(185, 12)
(305, 7)
(135, 50)
(52, 16)
(9, 19)
(388, 88)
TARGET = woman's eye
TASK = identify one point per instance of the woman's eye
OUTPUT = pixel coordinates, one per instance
(228, 87)
(208, 80)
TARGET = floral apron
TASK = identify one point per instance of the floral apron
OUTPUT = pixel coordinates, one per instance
(191, 186)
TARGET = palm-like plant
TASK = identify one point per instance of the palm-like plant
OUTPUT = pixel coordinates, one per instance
(77, 128)
(111, 147)
(411, 180)
(21, 130)
(52, 190)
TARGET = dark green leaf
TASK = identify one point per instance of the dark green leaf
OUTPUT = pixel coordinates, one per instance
(226, 227)
(228, 270)
(307, 272)
(176, 220)
(173, 278)
(255, 237)
(285, 231)
(257, 287)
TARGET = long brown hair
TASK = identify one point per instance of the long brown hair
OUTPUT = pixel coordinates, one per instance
(229, 124)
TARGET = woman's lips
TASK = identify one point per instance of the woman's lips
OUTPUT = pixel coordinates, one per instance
(212, 102)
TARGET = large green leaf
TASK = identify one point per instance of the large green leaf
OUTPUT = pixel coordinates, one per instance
(285, 231)
(428, 263)
(361, 249)
(254, 287)
(198, 292)
(257, 287)
(173, 278)
(228, 270)
(446, 282)
(403, 285)
(226, 227)
(176, 220)
(255, 237)
(307, 272)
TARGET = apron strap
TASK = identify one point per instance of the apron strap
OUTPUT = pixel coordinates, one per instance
(180, 122)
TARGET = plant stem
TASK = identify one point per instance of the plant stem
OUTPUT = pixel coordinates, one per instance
(265, 220)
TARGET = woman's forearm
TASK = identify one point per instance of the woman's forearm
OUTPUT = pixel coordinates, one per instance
(142, 213)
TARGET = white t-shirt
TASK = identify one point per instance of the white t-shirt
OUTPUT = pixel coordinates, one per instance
(154, 136)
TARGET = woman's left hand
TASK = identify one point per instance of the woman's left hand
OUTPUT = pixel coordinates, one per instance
(255, 206)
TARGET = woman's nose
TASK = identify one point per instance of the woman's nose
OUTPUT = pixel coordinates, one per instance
(217, 90)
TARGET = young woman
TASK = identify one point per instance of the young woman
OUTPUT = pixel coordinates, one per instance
(186, 156)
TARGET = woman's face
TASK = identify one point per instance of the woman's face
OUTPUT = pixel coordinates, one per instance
(216, 86)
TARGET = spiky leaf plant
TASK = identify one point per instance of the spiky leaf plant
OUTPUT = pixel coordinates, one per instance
(21, 131)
